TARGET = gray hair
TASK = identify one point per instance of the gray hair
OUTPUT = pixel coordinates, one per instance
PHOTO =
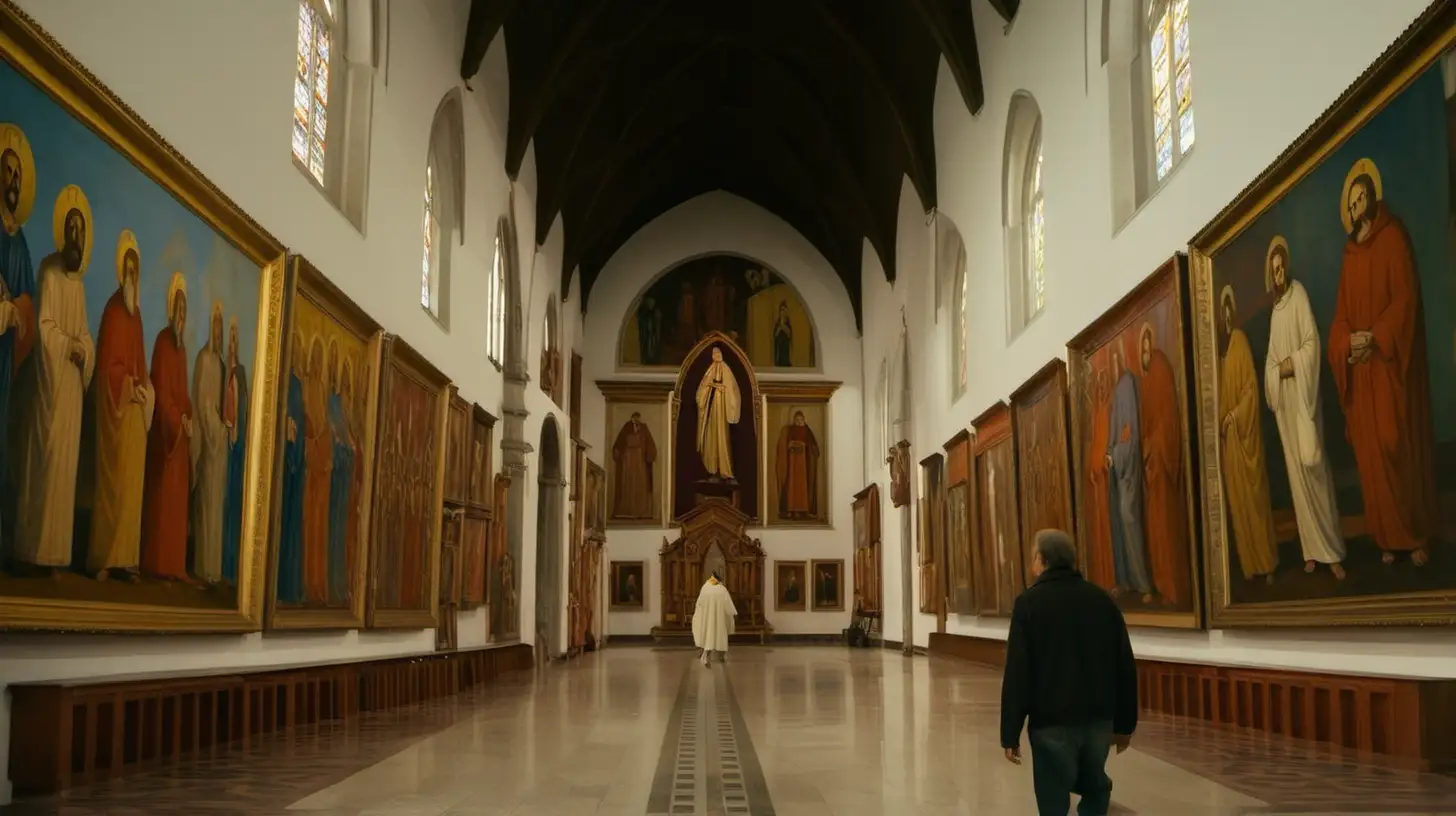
(1056, 549)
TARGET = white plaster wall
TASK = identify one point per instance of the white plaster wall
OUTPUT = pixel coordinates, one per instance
(221, 95)
(721, 222)
(1246, 114)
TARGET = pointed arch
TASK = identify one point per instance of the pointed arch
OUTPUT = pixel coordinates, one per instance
(954, 286)
(444, 205)
(1023, 214)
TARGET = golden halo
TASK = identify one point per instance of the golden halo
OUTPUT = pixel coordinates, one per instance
(73, 198)
(1276, 241)
(1362, 167)
(178, 286)
(13, 138)
(127, 242)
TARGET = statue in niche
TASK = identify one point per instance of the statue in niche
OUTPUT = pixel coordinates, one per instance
(719, 406)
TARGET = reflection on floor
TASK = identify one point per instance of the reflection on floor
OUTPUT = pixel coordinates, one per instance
(791, 731)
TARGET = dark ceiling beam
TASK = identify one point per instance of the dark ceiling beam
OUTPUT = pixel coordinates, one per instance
(953, 26)
(1006, 8)
(486, 19)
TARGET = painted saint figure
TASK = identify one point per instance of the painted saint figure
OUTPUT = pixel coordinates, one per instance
(1099, 545)
(1124, 462)
(209, 453)
(169, 446)
(1241, 443)
(783, 337)
(717, 304)
(341, 495)
(1291, 387)
(633, 455)
(290, 539)
(649, 332)
(17, 276)
(687, 316)
(1377, 351)
(797, 468)
(318, 475)
(124, 403)
(793, 593)
(52, 393)
(719, 406)
(235, 419)
(1164, 501)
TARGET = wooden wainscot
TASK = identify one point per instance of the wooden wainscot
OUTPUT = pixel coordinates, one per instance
(712, 537)
(1402, 720)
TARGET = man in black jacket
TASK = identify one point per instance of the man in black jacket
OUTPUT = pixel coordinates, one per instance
(1070, 669)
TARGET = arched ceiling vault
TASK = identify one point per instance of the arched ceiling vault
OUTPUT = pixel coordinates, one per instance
(812, 109)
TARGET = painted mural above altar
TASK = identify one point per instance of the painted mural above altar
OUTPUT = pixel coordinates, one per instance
(739, 297)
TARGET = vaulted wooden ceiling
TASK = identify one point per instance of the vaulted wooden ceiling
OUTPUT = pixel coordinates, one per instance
(813, 109)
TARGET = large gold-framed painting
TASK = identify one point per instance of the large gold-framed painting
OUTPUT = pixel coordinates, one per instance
(638, 452)
(1327, 378)
(1043, 456)
(328, 409)
(960, 585)
(999, 564)
(409, 489)
(1132, 460)
(797, 423)
(135, 458)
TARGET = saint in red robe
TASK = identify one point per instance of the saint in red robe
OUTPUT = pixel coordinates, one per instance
(1164, 504)
(1099, 533)
(797, 466)
(169, 463)
(1386, 399)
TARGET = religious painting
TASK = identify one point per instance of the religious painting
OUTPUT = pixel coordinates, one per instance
(960, 566)
(638, 452)
(998, 563)
(797, 419)
(899, 462)
(474, 541)
(136, 445)
(932, 563)
(328, 408)
(743, 300)
(717, 419)
(828, 583)
(409, 490)
(791, 586)
(482, 458)
(593, 516)
(502, 591)
(1134, 470)
(457, 449)
(629, 586)
(868, 580)
(1043, 457)
(1325, 331)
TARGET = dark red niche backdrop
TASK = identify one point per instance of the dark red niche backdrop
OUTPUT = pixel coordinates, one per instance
(689, 470)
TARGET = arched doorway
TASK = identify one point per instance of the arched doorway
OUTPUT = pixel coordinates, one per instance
(548, 542)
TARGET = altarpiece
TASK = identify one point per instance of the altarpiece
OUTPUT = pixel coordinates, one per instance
(712, 539)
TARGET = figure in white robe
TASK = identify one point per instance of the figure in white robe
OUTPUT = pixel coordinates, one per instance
(1291, 387)
(209, 456)
(719, 404)
(713, 620)
(53, 392)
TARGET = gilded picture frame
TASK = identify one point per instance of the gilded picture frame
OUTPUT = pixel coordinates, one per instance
(783, 403)
(405, 368)
(826, 579)
(1388, 133)
(638, 459)
(42, 64)
(1043, 456)
(329, 305)
(749, 494)
(624, 575)
(998, 558)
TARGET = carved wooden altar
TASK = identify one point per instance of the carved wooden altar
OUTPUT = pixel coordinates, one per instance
(712, 536)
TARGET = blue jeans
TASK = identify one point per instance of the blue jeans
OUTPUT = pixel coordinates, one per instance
(1067, 759)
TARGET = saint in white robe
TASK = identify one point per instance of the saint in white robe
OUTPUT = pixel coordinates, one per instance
(713, 617)
(49, 431)
(719, 403)
(209, 472)
(1295, 402)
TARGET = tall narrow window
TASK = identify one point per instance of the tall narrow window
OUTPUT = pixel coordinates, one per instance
(444, 201)
(1035, 220)
(316, 28)
(1172, 83)
(432, 240)
(962, 338)
(495, 337)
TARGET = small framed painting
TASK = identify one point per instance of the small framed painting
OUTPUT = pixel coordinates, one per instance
(790, 592)
(629, 585)
(828, 579)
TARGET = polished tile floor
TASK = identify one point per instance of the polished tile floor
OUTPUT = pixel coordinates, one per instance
(789, 731)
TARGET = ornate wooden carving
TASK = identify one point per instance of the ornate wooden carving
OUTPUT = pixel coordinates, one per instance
(899, 462)
(712, 531)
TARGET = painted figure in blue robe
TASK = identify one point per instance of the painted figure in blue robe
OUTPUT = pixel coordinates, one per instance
(783, 337)
(17, 276)
(235, 418)
(1125, 483)
(341, 486)
(290, 539)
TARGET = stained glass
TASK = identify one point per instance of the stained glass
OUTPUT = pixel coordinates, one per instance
(1180, 44)
(311, 88)
(1185, 88)
(1038, 265)
(329, 7)
(1162, 113)
(300, 140)
(1165, 153)
(1160, 41)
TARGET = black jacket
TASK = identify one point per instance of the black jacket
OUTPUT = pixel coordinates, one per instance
(1068, 659)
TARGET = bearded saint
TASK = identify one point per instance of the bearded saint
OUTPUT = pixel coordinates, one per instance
(1164, 499)
(209, 454)
(53, 393)
(1245, 474)
(1377, 352)
(17, 275)
(1124, 462)
(797, 468)
(124, 405)
(169, 457)
(633, 454)
(719, 405)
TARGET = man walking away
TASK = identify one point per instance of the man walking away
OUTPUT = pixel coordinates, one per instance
(713, 619)
(1070, 669)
